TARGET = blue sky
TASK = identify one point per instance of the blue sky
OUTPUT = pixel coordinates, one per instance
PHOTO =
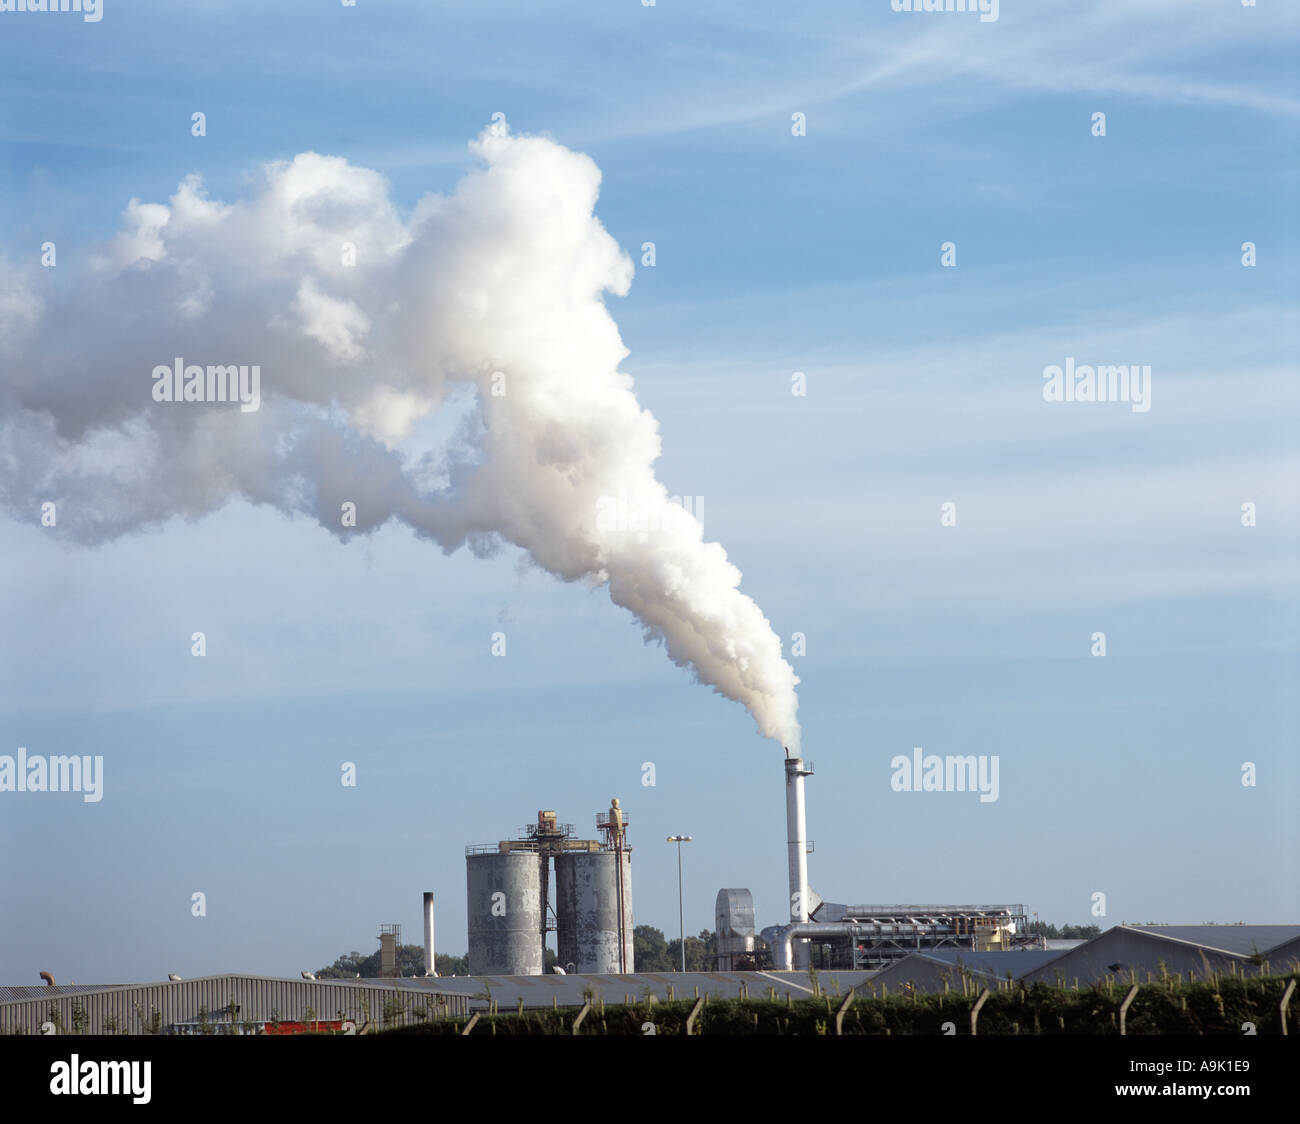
(775, 254)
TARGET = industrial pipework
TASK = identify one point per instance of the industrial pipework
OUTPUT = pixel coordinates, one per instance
(783, 947)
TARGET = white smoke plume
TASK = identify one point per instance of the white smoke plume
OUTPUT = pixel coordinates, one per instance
(497, 287)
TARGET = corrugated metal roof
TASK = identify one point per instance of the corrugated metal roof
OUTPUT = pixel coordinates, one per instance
(255, 999)
(1285, 957)
(260, 997)
(1017, 961)
(43, 991)
(568, 991)
(928, 970)
(1243, 940)
(1139, 952)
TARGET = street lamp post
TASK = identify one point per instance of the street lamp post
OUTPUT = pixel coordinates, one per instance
(681, 916)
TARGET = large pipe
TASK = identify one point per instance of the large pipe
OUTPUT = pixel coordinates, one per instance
(429, 969)
(783, 953)
(797, 843)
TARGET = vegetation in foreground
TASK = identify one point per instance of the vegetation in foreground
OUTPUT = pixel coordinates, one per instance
(1218, 1006)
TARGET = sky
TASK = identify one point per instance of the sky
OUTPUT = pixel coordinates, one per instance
(782, 245)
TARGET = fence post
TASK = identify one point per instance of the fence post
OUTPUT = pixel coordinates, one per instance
(1286, 1002)
(839, 1015)
(975, 1011)
(1123, 1009)
(470, 1025)
(586, 1007)
(695, 1011)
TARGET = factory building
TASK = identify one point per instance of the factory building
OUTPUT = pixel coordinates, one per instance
(508, 899)
(954, 969)
(265, 1005)
(858, 938)
(1285, 957)
(229, 1004)
(1192, 951)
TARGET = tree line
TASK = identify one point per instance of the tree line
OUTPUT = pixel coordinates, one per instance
(653, 952)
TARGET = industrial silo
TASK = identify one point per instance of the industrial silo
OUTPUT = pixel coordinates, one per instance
(504, 912)
(590, 896)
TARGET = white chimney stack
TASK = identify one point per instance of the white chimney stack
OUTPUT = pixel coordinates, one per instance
(428, 934)
(797, 837)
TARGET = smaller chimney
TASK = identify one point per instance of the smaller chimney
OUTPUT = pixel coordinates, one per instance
(429, 966)
(389, 950)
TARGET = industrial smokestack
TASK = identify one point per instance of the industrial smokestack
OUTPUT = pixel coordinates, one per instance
(429, 969)
(797, 843)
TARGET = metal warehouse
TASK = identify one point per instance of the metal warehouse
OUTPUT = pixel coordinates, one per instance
(225, 1004)
(1192, 951)
(1285, 957)
(955, 969)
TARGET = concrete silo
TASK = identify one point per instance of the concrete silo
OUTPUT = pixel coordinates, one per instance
(593, 907)
(504, 912)
(508, 910)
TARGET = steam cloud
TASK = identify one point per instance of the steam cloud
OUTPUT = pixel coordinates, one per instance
(498, 286)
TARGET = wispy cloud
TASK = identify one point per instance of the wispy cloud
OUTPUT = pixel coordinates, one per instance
(1142, 50)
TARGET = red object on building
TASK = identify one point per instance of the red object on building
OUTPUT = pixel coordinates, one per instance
(317, 1026)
